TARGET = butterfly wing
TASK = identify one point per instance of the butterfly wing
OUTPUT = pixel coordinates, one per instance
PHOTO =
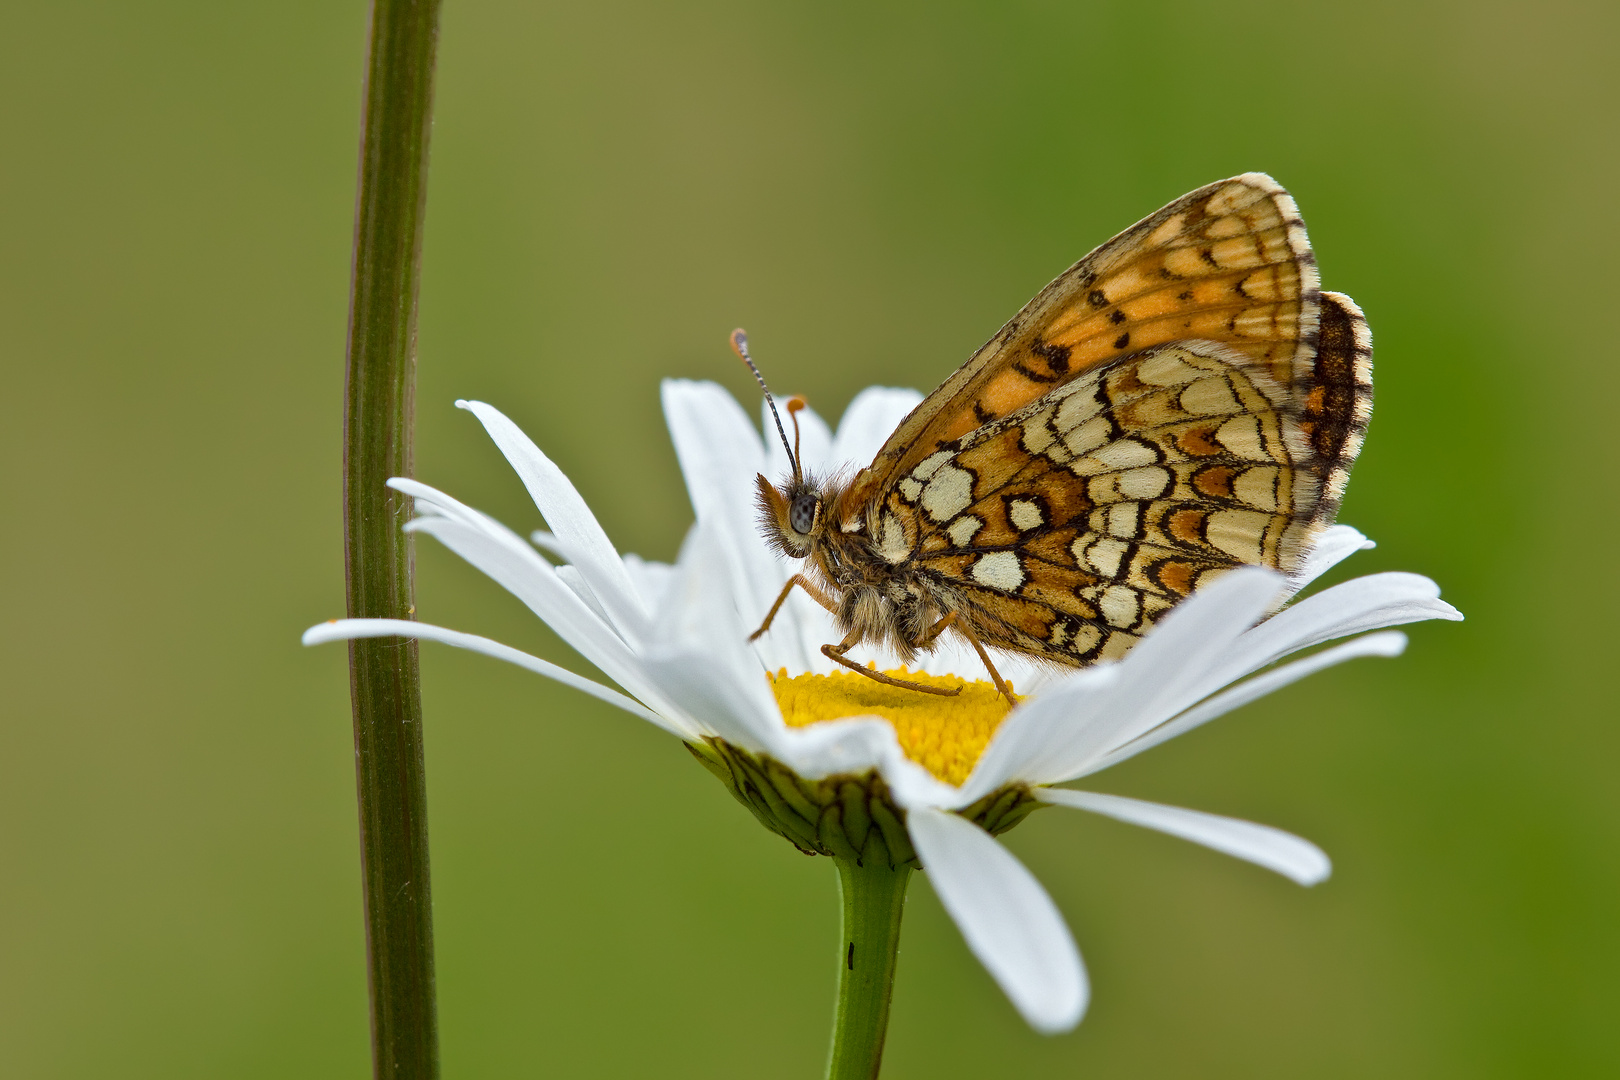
(1335, 398)
(1068, 527)
(1228, 263)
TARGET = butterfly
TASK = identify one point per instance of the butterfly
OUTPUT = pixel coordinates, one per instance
(1183, 400)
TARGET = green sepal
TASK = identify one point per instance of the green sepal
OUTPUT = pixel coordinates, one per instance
(848, 816)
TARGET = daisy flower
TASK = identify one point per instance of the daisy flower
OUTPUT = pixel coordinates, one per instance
(875, 776)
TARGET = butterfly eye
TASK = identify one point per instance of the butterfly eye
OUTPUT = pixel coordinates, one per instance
(802, 514)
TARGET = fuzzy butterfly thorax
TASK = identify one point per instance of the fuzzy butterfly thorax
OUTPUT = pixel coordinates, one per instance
(870, 598)
(1183, 400)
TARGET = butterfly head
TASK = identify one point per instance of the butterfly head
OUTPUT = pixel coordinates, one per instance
(790, 514)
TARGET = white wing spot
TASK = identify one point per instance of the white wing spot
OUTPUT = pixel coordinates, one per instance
(1077, 408)
(1241, 435)
(1119, 606)
(1025, 514)
(1166, 369)
(999, 570)
(1257, 487)
(1117, 645)
(1145, 483)
(1210, 397)
(1103, 556)
(1239, 533)
(948, 493)
(962, 530)
(1126, 454)
(1086, 637)
(892, 541)
(1037, 436)
(1123, 521)
(930, 464)
(1088, 436)
(910, 488)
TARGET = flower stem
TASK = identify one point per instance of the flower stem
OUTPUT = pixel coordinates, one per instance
(874, 899)
(378, 400)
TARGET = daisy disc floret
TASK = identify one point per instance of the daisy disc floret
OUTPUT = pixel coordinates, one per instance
(871, 775)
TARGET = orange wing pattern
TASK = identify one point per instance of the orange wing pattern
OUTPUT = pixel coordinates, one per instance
(1068, 527)
(1228, 263)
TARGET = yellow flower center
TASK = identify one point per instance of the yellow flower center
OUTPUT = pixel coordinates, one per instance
(945, 735)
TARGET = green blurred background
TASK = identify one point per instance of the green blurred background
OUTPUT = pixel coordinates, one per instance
(871, 190)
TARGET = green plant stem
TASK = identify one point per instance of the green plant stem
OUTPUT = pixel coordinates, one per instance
(378, 408)
(874, 899)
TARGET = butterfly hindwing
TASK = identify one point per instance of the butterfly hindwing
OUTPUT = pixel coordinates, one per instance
(1068, 527)
(1336, 397)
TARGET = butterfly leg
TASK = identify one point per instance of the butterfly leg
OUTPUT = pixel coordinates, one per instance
(836, 653)
(973, 639)
(802, 582)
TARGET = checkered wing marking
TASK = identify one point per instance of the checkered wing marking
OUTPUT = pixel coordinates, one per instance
(1068, 527)
(1228, 263)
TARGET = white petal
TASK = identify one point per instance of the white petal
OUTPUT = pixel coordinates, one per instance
(1388, 643)
(857, 744)
(719, 702)
(1076, 720)
(531, 579)
(1168, 663)
(1045, 735)
(651, 579)
(1287, 854)
(720, 454)
(1351, 607)
(796, 635)
(431, 502)
(700, 657)
(802, 625)
(1009, 922)
(869, 421)
(521, 571)
(348, 629)
(699, 651)
(575, 527)
(1336, 544)
(569, 575)
(718, 449)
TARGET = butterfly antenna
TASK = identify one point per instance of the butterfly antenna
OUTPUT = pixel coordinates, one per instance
(739, 345)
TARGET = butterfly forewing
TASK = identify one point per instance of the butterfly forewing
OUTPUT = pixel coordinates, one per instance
(1228, 263)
